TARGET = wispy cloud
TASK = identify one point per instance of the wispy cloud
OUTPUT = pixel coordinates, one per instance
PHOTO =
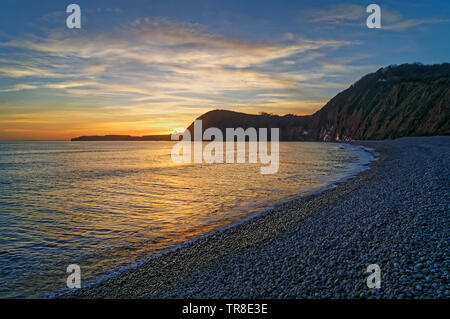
(342, 13)
(19, 87)
(394, 21)
(348, 14)
(158, 58)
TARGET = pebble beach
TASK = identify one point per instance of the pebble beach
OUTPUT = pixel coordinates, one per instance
(395, 215)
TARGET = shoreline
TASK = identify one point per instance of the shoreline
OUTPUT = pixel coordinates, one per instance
(187, 271)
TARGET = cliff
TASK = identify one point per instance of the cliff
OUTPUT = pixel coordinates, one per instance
(395, 101)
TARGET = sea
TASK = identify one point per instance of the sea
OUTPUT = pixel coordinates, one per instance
(110, 206)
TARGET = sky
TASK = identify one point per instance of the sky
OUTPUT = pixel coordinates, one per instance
(149, 67)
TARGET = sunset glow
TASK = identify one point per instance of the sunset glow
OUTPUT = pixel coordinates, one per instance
(148, 71)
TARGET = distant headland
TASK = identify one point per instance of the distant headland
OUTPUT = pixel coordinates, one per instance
(123, 138)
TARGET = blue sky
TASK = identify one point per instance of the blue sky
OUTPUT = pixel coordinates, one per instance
(145, 67)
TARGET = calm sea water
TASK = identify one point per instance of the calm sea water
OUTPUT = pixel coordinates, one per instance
(107, 206)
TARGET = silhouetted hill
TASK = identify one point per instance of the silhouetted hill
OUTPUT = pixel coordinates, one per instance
(291, 126)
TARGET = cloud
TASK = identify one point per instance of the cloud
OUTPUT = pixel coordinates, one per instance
(19, 87)
(164, 42)
(337, 14)
(402, 25)
(354, 14)
(158, 59)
